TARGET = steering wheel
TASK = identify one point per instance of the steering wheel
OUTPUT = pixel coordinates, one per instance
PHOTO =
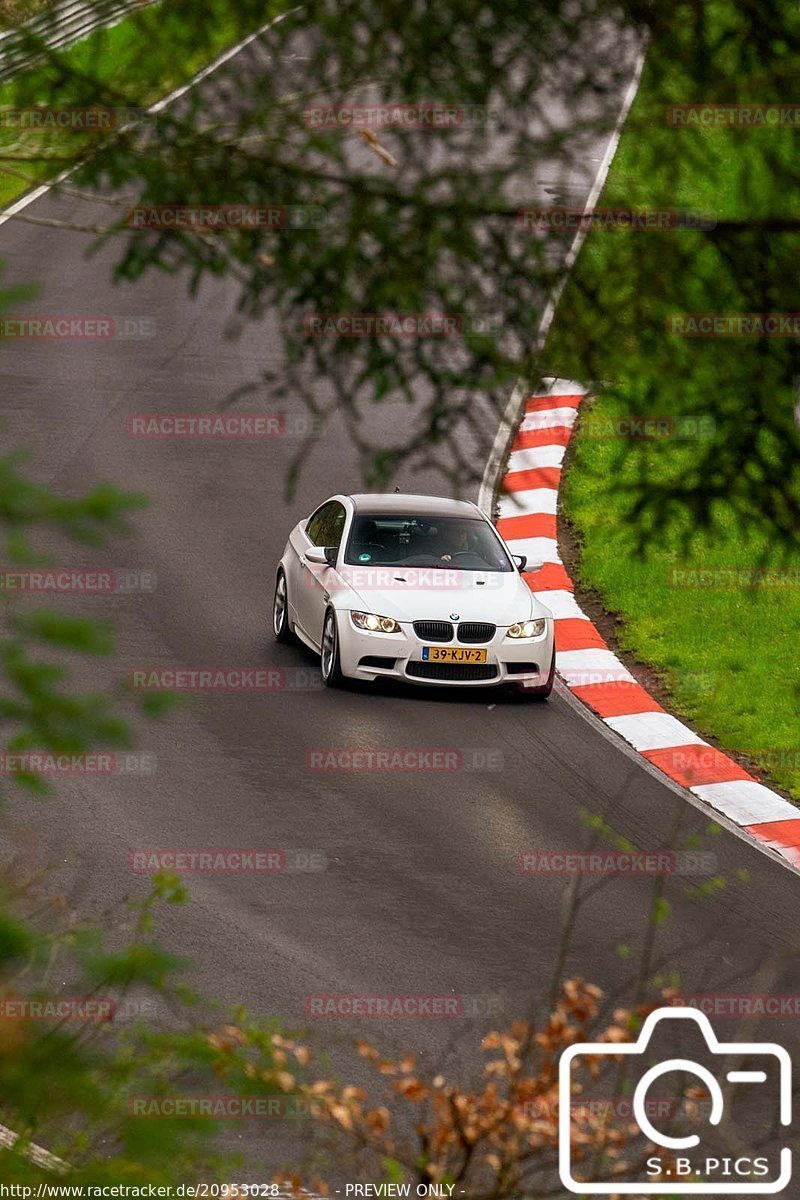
(419, 560)
(463, 554)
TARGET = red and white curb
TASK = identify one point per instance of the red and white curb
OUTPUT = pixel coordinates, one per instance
(527, 521)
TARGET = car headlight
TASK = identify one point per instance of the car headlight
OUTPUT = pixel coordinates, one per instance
(374, 623)
(528, 629)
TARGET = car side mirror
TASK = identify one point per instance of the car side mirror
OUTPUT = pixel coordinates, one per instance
(520, 560)
(324, 556)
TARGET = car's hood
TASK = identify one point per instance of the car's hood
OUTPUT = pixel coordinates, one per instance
(434, 594)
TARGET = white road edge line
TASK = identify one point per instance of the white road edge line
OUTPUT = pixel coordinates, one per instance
(605, 725)
(226, 56)
(497, 454)
(8, 1138)
(159, 105)
(38, 1156)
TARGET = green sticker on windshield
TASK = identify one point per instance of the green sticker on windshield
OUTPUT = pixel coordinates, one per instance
(364, 557)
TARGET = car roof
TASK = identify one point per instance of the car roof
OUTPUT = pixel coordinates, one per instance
(389, 503)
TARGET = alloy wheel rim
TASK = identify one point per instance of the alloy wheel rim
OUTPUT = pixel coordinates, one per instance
(280, 604)
(328, 646)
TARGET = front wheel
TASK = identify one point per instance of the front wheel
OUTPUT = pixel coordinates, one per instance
(329, 659)
(280, 611)
(543, 692)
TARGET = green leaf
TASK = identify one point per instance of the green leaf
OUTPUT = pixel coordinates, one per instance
(155, 704)
(15, 938)
(392, 1171)
(87, 635)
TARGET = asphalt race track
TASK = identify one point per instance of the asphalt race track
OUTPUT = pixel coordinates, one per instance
(421, 893)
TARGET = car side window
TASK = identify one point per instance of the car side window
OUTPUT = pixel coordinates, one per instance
(334, 526)
(316, 529)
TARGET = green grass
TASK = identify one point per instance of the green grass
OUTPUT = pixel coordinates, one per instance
(136, 62)
(732, 652)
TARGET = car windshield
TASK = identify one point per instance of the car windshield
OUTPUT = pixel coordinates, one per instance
(454, 543)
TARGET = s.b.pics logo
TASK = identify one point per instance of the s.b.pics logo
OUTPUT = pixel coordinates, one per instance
(752, 1077)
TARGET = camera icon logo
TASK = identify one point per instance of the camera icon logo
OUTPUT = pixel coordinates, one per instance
(702, 1173)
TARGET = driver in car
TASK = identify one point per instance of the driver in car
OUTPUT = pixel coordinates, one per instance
(460, 545)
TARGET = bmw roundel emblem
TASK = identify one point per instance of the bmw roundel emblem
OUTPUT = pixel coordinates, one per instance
(454, 616)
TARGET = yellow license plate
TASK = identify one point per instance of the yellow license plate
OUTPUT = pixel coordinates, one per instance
(453, 654)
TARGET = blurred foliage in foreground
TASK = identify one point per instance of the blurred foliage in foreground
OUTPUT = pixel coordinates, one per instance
(95, 1092)
(417, 221)
(69, 1073)
(427, 220)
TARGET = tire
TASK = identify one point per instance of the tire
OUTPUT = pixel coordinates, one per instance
(330, 661)
(543, 693)
(280, 611)
(539, 693)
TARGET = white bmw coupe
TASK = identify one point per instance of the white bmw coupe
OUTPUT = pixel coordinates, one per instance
(414, 588)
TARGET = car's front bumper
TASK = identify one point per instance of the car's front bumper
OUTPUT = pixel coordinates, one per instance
(372, 656)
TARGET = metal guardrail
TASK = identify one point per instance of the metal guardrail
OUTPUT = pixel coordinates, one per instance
(59, 27)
